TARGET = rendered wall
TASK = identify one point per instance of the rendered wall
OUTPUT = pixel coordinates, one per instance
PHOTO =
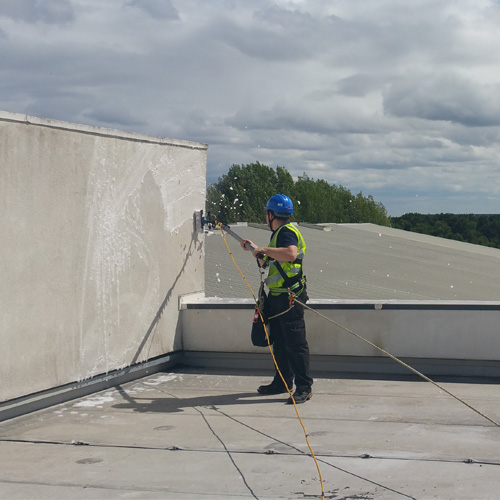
(98, 242)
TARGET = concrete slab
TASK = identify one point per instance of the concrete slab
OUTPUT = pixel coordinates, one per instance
(189, 434)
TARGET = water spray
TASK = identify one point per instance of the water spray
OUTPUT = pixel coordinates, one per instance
(211, 222)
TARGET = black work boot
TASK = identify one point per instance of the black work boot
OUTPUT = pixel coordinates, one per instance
(300, 396)
(272, 388)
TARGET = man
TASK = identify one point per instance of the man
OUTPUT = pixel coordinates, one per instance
(285, 281)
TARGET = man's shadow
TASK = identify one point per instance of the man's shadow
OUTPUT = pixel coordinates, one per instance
(173, 404)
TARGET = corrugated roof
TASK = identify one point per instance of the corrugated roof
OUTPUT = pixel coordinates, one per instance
(364, 261)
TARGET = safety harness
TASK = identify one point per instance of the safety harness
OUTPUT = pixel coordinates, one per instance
(287, 277)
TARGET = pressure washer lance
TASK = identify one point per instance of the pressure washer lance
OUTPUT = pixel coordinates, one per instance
(208, 221)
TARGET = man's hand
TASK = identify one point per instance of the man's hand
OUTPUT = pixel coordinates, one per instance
(257, 252)
(245, 243)
(282, 254)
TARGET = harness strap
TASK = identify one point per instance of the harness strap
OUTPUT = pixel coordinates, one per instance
(289, 282)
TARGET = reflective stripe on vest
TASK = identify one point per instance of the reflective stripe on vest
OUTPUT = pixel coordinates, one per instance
(274, 280)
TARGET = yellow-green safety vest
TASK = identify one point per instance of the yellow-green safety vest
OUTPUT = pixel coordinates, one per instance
(275, 281)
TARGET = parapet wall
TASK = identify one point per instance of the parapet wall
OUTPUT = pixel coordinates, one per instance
(97, 244)
(445, 338)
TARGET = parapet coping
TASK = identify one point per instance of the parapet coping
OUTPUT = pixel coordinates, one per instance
(98, 131)
(199, 301)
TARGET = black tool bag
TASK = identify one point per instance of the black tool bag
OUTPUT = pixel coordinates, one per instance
(258, 336)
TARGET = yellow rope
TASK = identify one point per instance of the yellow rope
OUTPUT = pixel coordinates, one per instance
(400, 362)
(276, 365)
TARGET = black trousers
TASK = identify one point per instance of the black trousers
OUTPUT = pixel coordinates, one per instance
(290, 347)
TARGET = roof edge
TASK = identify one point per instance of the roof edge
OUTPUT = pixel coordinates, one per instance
(7, 116)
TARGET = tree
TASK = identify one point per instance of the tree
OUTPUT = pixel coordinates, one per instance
(476, 229)
(241, 194)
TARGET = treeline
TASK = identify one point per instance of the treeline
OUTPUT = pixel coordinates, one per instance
(242, 193)
(471, 228)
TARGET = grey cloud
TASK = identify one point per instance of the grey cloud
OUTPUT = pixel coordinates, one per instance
(273, 33)
(482, 137)
(197, 125)
(312, 117)
(260, 43)
(412, 141)
(396, 37)
(294, 21)
(158, 9)
(357, 85)
(114, 115)
(444, 98)
(38, 11)
(57, 106)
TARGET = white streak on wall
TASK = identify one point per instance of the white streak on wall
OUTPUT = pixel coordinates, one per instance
(116, 235)
(118, 238)
(178, 188)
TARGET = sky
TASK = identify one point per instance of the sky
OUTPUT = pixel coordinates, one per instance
(396, 99)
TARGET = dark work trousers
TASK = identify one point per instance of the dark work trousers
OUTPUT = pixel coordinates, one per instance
(290, 347)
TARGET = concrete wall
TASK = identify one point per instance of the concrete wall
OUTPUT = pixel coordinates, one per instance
(458, 338)
(97, 244)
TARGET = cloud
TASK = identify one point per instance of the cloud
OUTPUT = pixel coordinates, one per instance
(113, 115)
(357, 85)
(270, 34)
(312, 117)
(157, 9)
(38, 11)
(385, 97)
(445, 97)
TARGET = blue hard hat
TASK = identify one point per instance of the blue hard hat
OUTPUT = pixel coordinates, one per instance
(280, 204)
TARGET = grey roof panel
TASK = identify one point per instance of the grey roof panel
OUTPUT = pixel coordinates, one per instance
(364, 261)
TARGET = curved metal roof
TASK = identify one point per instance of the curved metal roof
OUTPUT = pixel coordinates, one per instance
(364, 261)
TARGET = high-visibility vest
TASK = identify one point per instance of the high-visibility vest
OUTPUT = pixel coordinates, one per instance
(293, 270)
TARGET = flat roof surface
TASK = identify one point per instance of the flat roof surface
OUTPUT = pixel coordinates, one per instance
(192, 434)
(364, 262)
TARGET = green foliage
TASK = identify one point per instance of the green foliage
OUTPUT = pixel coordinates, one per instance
(242, 193)
(477, 229)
